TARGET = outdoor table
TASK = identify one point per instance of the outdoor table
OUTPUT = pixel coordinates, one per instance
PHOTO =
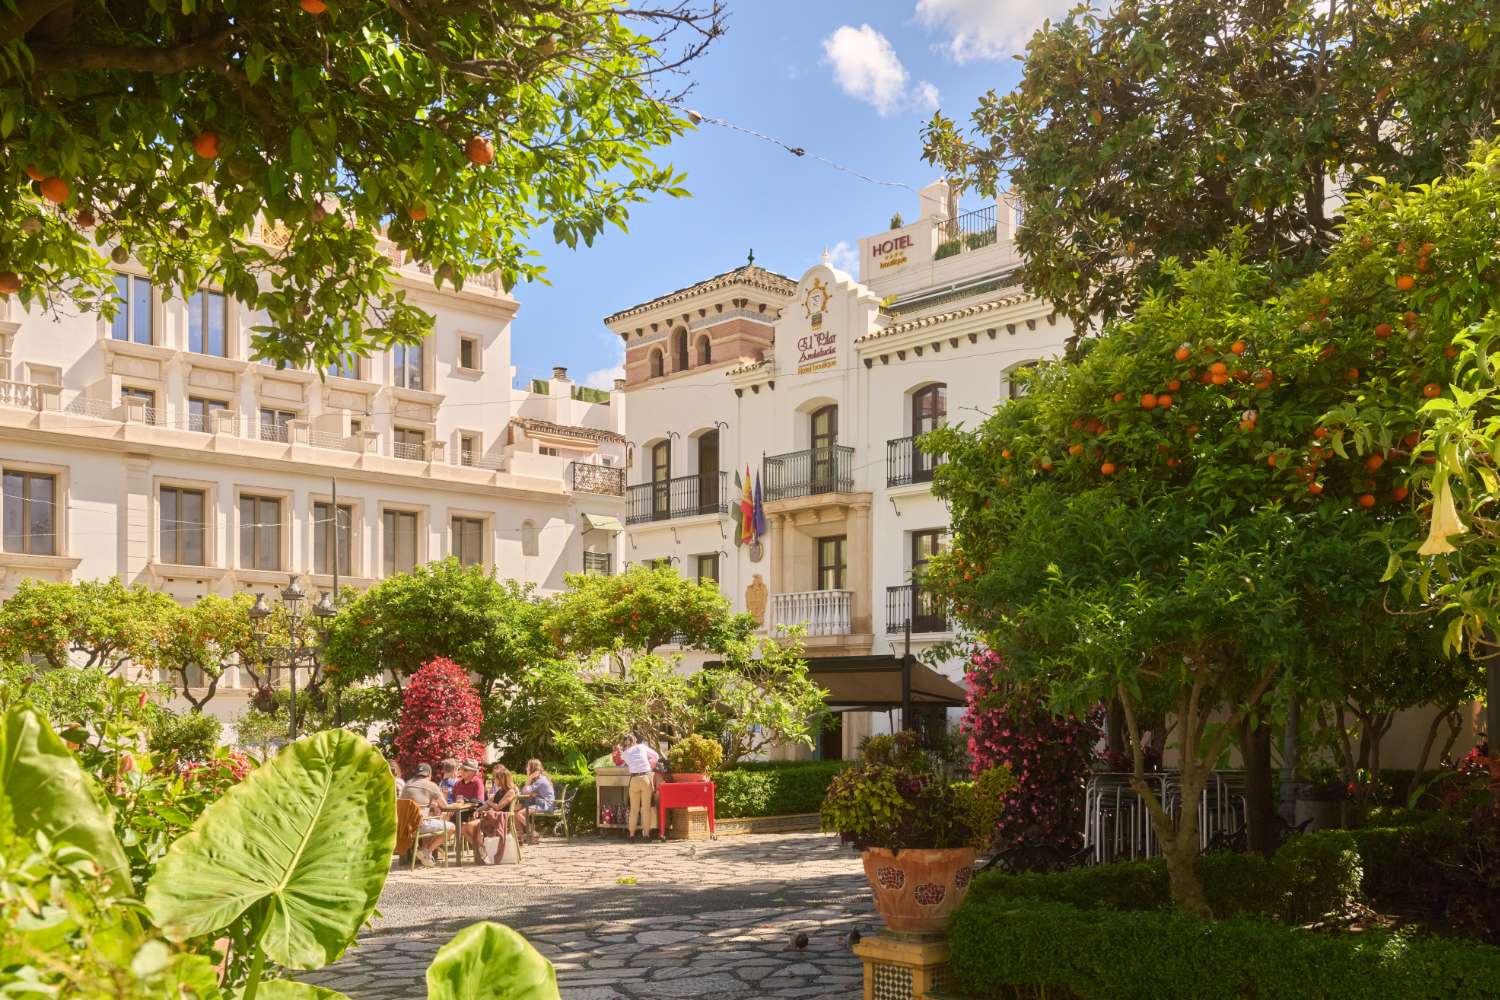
(680, 795)
(456, 813)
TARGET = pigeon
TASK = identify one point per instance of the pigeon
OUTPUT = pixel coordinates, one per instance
(852, 938)
(799, 940)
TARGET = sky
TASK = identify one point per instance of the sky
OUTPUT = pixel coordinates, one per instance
(849, 80)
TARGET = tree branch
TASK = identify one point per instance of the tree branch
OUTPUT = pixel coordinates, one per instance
(28, 13)
(204, 51)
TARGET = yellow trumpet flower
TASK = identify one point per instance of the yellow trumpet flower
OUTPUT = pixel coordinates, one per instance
(1445, 521)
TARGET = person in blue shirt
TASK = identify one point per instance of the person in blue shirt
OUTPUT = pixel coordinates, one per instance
(539, 796)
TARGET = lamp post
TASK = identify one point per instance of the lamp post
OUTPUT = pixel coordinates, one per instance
(300, 646)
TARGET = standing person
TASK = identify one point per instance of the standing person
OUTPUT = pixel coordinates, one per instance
(435, 825)
(641, 761)
(539, 796)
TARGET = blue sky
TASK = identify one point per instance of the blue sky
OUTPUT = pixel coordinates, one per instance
(851, 80)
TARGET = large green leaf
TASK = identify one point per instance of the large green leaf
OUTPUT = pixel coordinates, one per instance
(308, 836)
(47, 792)
(489, 961)
(289, 989)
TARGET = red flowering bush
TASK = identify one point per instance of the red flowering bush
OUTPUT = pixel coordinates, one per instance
(1049, 756)
(440, 716)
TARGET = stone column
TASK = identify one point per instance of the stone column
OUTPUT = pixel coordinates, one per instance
(135, 519)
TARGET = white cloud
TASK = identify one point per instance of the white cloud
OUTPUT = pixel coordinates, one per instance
(843, 256)
(866, 67)
(604, 378)
(988, 29)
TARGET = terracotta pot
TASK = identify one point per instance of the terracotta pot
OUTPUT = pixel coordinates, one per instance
(916, 890)
(686, 776)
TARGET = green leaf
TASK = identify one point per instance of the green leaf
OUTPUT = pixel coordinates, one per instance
(290, 989)
(490, 961)
(47, 793)
(309, 836)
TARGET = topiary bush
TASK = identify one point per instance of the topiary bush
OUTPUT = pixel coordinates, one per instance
(1048, 754)
(192, 736)
(774, 788)
(695, 755)
(440, 717)
(1007, 949)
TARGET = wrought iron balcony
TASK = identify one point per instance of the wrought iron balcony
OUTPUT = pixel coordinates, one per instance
(685, 496)
(603, 479)
(822, 612)
(910, 603)
(970, 231)
(828, 469)
(905, 463)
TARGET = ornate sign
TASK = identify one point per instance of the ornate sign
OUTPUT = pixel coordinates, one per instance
(757, 551)
(755, 599)
(815, 302)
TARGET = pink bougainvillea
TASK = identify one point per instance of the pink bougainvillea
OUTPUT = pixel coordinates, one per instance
(440, 717)
(1049, 755)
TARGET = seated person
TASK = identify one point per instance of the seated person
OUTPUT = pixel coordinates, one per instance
(434, 826)
(493, 819)
(469, 787)
(539, 795)
(450, 775)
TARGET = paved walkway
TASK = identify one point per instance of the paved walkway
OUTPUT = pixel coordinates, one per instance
(707, 919)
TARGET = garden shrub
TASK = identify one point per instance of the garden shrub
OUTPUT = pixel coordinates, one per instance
(774, 788)
(440, 717)
(1020, 948)
(192, 736)
(585, 812)
(1048, 754)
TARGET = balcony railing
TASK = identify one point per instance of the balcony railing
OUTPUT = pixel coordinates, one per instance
(969, 231)
(905, 463)
(685, 496)
(275, 431)
(600, 563)
(607, 480)
(828, 469)
(414, 451)
(22, 394)
(909, 602)
(821, 612)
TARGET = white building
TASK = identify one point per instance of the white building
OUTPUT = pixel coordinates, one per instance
(155, 448)
(817, 386)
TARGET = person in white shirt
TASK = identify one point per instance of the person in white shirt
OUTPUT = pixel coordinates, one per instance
(640, 760)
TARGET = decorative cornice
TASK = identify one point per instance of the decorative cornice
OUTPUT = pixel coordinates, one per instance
(533, 426)
(952, 315)
(746, 276)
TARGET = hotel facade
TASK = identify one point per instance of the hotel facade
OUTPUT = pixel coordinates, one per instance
(816, 387)
(156, 448)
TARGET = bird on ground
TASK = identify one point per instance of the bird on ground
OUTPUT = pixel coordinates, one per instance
(799, 940)
(852, 938)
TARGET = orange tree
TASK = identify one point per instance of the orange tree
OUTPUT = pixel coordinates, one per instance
(1145, 524)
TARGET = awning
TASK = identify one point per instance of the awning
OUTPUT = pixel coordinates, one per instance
(602, 522)
(873, 683)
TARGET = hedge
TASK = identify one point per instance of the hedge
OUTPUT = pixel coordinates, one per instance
(1310, 876)
(774, 788)
(1008, 949)
(585, 811)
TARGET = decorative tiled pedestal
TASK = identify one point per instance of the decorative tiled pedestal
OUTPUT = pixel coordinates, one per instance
(903, 967)
(690, 823)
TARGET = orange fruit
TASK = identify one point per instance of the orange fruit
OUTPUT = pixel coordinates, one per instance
(1412, 439)
(206, 145)
(1410, 319)
(1426, 250)
(1077, 424)
(1374, 462)
(1399, 493)
(86, 218)
(10, 282)
(314, 6)
(1206, 378)
(1119, 397)
(1315, 488)
(1271, 460)
(1352, 374)
(1108, 469)
(1367, 500)
(1263, 378)
(1148, 401)
(33, 172)
(1075, 449)
(1192, 428)
(1238, 347)
(1405, 283)
(416, 213)
(1164, 401)
(1218, 368)
(1327, 352)
(55, 190)
(1432, 390)
(1184, 351)
(1320, 432)
(1005, 453)
(1174, 385)
(1382, 330)
(1218, 378)
(1174, 462)
(1450, 351)
(480, 151)
(1094, 426)
(1047, 466)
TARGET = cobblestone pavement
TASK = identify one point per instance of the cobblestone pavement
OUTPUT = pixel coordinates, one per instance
(707, 919)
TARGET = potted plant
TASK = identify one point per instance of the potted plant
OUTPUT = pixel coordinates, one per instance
(693, 758)
(918, 830)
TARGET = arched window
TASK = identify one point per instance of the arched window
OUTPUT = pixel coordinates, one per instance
(529, 544)
(929, 408)
(679, 350)
(656, 363)
(824, 436)
(1014, 387)
(708, 472)
(705, 351)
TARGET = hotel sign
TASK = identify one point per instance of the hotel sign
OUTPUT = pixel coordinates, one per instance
(817, 351)
(891, 252)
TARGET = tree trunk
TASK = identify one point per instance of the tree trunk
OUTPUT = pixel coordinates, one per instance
(1260, 809)
(1114, 730)
(1492, 723)
(1291, 738)
(1181, 848)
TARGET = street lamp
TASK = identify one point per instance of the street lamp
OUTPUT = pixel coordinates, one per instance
(298, 647)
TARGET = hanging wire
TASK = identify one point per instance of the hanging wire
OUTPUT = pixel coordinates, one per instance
(699, 118)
